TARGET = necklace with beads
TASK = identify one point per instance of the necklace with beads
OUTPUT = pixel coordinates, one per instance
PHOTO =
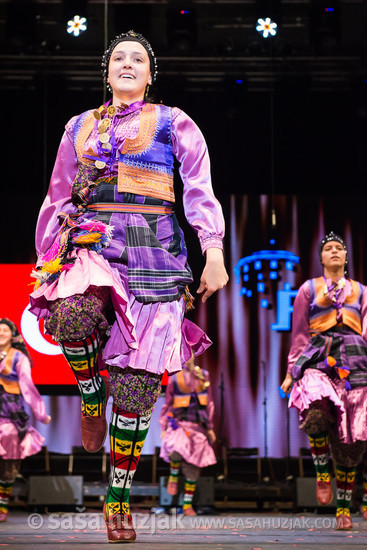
(335, 288)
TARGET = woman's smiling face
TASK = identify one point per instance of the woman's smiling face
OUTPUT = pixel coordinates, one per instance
(129, 71)
(5, 336)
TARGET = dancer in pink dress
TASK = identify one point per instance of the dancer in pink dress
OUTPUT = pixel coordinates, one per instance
(112, 272)
(327, 364)
(187, 429)
(17, 438)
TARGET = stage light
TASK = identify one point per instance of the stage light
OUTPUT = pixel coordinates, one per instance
(266, 27)
(77, 25)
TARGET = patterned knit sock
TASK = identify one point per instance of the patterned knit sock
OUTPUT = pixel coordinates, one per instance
(345, 478)
(364, 498)
(127, 435)
(6, 488)
(174, 471)
(319, 444)
(190, 486)
(82, 357)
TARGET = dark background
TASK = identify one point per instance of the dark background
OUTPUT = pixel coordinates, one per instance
(284, 115)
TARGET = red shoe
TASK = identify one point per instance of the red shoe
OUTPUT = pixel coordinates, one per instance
(189, 511)
(94, 428)
(4, 516)
(324, 493)
(172, 488)
(119, 527)
(344, 522)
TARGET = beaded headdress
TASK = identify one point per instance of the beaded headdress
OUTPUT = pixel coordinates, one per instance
(337, 238)
(130, 36)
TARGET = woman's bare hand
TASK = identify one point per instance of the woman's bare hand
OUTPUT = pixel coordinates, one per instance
(214, 276)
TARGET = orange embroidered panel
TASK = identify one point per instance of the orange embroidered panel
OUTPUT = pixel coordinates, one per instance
(134, 179)
(203, 399)
(181, 401)
(321, 299)
(323, 322)
(147, 129)
(10, 386)
(82, 137)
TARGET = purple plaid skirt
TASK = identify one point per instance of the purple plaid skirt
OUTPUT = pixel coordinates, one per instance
(145, 268)
(317, 382)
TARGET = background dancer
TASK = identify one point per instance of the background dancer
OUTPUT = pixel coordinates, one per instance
(328, 364)
(187, 429)
(117, 270)
(18, 439)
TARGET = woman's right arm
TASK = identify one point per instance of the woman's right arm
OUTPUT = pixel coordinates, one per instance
(167, 405)
(300, 332)
(58, 197)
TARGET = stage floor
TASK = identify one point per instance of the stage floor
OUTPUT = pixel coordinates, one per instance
(226, 531)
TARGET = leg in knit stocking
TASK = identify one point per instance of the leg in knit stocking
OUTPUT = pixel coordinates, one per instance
(346, 458)
(364, 481)
(127, 435)
(192, 474)
(345, 478)
(8, 473)
(319, 444)
(316, 425)
(82, 356)
(175, 463)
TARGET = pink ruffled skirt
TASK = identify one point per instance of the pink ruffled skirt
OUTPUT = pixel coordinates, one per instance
(154, 337)
(10, 445)
(348, 407)
(191, 442)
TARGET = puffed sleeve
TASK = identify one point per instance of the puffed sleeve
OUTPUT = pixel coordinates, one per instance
(202, 210)
(28, 389)
(58, 198)
(300, 325)
(364, 313)
(163, 421)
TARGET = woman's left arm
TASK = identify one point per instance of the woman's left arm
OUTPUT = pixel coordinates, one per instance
(202, 210)
(29, 390)
(364, 314)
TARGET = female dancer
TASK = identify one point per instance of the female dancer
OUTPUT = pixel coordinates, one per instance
(113, 280)
(187, 429)
(17, 438)
(328, 365)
